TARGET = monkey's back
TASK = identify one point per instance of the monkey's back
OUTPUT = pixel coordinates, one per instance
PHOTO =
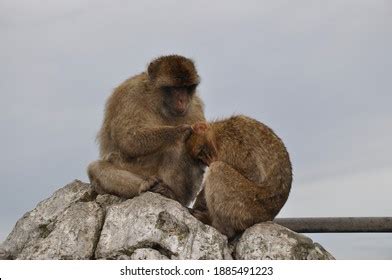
(250, 179)
(254, 150)
(120, 107)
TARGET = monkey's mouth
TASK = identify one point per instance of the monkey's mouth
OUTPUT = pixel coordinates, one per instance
(168, 110)
(179, 113)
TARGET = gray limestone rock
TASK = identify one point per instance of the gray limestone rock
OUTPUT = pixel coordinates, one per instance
(64, 226)
(269, 241)
(152, 221)
(76, 223)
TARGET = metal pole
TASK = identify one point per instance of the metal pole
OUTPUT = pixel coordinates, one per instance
(339, 224)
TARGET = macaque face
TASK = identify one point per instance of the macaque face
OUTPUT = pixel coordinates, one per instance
(177, 99)
(175, 79)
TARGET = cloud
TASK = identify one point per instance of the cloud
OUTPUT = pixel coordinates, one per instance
(364, 193)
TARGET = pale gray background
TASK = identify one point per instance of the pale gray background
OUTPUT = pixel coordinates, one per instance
(318, 72)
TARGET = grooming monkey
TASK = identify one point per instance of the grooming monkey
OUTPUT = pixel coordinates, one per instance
(249, 176)
(142, 138)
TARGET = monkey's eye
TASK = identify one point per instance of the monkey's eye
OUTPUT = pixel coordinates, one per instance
(166, 89)
(191, 88)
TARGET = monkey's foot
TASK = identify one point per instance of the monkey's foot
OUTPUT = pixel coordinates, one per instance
(163, 189)
(202, 215)
(148, 184)
(97, 188)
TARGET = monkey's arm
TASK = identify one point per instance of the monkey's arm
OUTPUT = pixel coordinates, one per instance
(143, 140)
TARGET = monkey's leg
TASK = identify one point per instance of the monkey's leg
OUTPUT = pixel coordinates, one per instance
(200, 210)
(200, 203)
(233, 200)
(106, 177)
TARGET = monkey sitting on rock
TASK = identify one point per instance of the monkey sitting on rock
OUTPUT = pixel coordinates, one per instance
(142, 138)
(249, 173)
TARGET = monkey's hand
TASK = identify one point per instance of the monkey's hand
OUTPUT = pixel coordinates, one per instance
(163, 189)
(97, 188)
(185, 130)
(148, 184)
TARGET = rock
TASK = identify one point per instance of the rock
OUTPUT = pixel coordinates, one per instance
(61, 227)
(269, 241)
(147, 254)
(75, 223)
(73, 235)
(152, 221)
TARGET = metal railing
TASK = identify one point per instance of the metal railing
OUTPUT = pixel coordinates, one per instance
(338, 224)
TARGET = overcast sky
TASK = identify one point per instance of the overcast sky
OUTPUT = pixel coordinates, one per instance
(318, 72)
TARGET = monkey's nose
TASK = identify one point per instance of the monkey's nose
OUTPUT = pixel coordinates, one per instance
(181, 106)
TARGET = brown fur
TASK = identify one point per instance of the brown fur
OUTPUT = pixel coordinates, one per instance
(142, 139)
(249, 176)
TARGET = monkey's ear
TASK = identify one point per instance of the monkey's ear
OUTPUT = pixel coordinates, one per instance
(152, 70)
(200, 127)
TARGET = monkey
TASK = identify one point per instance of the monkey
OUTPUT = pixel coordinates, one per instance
(142, 138)
(249, 173)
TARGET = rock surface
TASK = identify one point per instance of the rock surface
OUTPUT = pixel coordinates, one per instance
(152, 221)
(269, 241)
(75, 223)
